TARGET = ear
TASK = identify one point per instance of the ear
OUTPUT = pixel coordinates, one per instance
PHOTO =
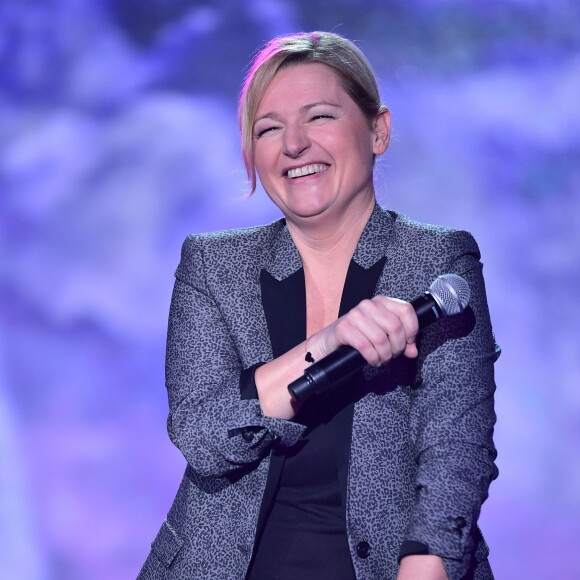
(381, 131)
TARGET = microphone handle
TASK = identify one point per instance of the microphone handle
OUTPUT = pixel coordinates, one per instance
(341, 364)
(333, 369)
(427, 309)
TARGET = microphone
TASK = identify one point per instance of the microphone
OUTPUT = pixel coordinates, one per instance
(448, 295)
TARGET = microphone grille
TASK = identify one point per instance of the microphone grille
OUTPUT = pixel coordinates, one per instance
(451, 292)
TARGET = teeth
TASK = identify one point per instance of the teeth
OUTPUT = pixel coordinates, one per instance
(306, 170)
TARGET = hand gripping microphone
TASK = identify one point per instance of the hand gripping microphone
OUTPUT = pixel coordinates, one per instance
(448, 295)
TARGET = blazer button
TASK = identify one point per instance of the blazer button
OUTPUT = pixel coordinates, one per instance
(460, 523)
(363, 550)
(248, 436)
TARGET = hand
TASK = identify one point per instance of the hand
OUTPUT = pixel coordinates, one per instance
(380, 329)
(421, 567)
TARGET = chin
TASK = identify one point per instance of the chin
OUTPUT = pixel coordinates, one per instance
(306, 211)
(311, 207)
(313, 217)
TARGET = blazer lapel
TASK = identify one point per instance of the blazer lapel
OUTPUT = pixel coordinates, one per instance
(360, 283)
(283, 257)
(284, 302)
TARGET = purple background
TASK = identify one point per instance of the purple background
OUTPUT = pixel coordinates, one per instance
(118, 137)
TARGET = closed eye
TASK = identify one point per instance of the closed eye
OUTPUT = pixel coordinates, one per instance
(317, 117)
(264, 131)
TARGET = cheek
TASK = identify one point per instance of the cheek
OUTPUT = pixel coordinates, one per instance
(260, 165)
(263, 157)
(348, 144)
(359, 132)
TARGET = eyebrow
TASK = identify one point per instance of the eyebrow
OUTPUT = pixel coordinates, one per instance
(304, 108)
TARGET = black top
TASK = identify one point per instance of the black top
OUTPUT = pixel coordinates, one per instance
(304, 535)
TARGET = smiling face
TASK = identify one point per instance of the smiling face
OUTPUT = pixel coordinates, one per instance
(313, 146)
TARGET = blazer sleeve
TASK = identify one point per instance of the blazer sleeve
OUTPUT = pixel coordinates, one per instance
(453, 417)
(216, 430)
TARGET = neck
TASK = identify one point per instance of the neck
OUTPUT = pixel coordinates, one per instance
(331, 241)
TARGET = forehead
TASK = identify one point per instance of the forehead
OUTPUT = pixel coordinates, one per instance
(302, 84)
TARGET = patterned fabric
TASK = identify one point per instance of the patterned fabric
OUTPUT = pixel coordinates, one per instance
(422, 455)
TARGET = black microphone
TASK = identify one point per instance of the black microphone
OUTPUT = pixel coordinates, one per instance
(448, 295)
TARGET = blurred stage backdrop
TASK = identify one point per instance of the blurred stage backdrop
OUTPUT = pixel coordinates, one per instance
(118, 137)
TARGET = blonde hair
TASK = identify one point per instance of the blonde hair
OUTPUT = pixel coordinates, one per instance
(335, 51)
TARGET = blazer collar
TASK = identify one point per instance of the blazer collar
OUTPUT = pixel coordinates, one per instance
(375, 241)
(284, 258)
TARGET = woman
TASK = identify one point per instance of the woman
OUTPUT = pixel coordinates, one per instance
(384, 476)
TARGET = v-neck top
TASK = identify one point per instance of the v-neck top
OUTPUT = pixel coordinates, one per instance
(303, 521)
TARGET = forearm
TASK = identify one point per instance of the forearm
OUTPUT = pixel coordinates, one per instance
(273, 378)
(222, 433)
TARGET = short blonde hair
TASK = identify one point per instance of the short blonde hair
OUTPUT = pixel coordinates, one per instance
(335, 51)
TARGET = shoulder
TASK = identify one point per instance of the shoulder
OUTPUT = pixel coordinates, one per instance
(429, 239)
(234, 248)
(243, 237)
(418, 252)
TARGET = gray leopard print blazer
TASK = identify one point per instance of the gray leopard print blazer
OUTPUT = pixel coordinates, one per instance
(422, 455)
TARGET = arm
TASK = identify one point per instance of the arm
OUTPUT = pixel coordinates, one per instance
(213, 427)
(452, 420)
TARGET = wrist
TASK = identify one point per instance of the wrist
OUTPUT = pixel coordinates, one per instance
(427, 567)
(314, 348)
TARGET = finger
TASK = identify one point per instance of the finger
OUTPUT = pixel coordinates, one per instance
(405, 311)
(387, 317)
(358, 330)
(411, 351)
(381, 328)
(406, 315)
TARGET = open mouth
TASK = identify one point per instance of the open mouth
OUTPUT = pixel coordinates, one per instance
(306, 170)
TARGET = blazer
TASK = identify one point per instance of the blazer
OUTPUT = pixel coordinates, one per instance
(421, 456)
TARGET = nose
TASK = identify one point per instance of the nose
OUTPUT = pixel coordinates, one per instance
(296, 141)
